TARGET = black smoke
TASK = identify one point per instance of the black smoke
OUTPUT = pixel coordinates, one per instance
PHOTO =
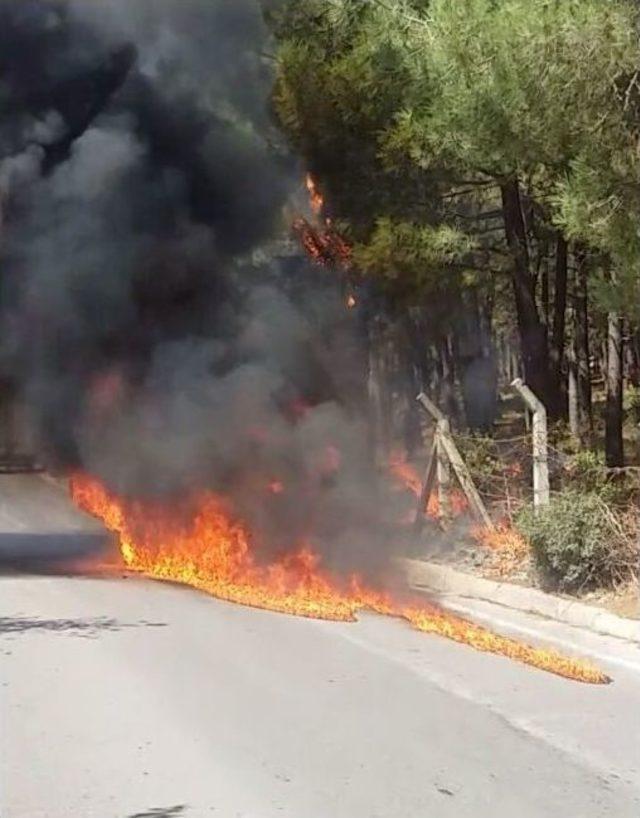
(157, 339)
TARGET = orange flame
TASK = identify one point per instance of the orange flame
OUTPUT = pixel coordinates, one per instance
(406, 474)
(212, 551)
(321, 241)
(316, 199)
(508, 549)
(324, 246)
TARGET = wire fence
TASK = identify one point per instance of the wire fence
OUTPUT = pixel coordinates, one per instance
(502, 470)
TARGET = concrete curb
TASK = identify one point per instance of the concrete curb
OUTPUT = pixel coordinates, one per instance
(445, 580)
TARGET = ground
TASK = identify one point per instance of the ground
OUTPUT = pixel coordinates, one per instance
(460, 549)
(624, 601)
(125, 697)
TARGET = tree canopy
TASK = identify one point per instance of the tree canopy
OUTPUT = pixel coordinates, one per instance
(482, 147)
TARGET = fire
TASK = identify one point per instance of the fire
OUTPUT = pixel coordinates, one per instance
(508, 549)
(207, 548)
(406, 474)
(321, 241)
(324, 245)
(316, 199)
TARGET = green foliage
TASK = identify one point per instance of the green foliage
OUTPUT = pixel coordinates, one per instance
(480, 456)
(587, 472)
(574, 541)
(395, 103)
(547, 92)
(399, 249)
(598, 203)
(344, 74)
(521, 85)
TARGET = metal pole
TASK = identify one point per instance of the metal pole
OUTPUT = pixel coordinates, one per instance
(540, 443)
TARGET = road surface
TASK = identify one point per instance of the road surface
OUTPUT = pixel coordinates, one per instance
(37, 521)
(124, 697)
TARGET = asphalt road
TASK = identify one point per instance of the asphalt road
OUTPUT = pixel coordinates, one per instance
(125, 698)
(37, 521)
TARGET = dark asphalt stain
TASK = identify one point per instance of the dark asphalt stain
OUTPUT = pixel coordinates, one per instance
(89, 627)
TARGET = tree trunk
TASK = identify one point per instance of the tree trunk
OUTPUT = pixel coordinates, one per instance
(379, 406)
(614, 447)
(447, 399)
(572, 395)
(475, 362)
(515, 364)
(556, 352)
(533, 336)
(634, 365)
(581, 343)
(545, 295)
(634, 372)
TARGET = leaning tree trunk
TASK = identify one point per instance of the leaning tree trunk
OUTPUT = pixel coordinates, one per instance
(556, 351)
(614, 447)
(533, 335)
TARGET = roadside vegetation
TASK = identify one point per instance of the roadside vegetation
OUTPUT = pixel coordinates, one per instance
(482, 161)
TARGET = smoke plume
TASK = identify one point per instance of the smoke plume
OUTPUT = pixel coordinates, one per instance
(156, 341)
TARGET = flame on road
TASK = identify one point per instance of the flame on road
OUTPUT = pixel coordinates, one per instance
(208, 549)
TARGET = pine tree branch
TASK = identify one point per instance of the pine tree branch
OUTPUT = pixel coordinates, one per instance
(410, 18)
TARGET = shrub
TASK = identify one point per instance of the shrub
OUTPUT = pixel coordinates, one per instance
(586, 471)
(479, 454)
(578, 542)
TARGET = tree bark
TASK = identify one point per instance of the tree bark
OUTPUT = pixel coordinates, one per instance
(533, 336)
(545, 295)
(558, 403)
(634, 365)
(572, 395)
(379, 404)
(582, 349)
(614, 447)
(447, 399)
(634, 372)
(515, 365)
(476, 362)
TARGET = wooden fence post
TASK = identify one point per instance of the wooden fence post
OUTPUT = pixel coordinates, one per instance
(468, 486)
(540, 443)
(447, 453)
(427, 487)
(441, 463)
